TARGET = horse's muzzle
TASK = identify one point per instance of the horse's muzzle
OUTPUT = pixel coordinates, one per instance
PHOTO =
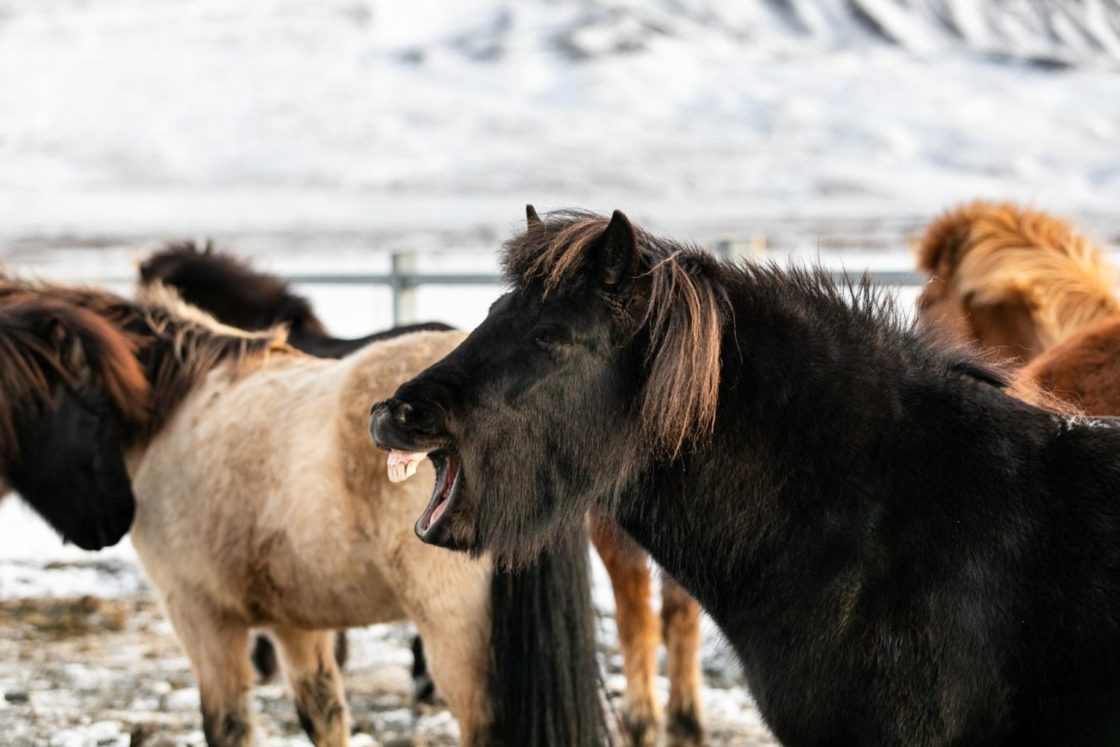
(394, 424)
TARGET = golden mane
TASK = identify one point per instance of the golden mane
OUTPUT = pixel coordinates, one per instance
(995, 251)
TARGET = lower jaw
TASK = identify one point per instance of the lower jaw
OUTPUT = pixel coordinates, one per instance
(432, 526)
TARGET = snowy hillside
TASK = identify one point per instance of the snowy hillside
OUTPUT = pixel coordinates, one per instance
(149, 116)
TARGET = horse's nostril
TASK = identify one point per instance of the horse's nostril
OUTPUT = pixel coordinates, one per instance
(403, 411)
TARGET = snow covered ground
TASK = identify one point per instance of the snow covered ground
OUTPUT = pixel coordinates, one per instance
(319, 137)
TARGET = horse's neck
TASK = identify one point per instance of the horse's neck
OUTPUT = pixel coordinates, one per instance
(805, 409)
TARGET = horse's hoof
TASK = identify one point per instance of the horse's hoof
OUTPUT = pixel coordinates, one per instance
(683, 729)
(639, 722)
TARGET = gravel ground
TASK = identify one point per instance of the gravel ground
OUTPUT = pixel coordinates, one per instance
(85, 670)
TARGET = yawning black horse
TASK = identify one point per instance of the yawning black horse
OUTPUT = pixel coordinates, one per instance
(898, 552)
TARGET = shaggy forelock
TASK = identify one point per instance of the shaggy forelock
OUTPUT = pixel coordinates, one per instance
(684, 312)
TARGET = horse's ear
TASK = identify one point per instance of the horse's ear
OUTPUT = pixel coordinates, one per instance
(532, 218)
(618, 252)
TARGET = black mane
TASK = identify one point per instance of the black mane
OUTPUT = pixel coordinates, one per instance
(854, 308)
(235, 293)
(228, 288)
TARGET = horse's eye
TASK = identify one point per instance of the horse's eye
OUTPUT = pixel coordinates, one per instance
(553, 339)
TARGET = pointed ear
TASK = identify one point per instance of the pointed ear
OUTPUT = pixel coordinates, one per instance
(532, 218)
(618, 252)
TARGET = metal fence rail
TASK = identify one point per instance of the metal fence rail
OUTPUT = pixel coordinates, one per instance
(403, 279)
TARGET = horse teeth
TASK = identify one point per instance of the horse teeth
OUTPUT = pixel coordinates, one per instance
(402, 465)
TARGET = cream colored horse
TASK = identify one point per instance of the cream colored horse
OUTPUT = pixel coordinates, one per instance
(262, 503)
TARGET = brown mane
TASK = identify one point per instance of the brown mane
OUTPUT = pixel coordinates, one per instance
(683, 305)
(994, 252)
(175, 345)
(43, 343)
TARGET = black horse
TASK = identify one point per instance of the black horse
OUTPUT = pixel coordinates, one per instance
(69, 384)
(235, 293)
(898, 551)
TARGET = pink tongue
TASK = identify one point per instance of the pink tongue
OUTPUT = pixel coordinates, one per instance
(438, 512)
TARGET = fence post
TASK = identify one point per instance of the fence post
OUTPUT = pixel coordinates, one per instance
(737, 249)
(403, 287)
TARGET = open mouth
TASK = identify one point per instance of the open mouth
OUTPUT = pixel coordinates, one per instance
(402, 465)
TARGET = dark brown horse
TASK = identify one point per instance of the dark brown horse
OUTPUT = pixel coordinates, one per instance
(897, 550)
(239, 295)
(69, 389)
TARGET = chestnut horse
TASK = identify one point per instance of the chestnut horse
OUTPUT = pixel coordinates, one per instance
(1011, 279)
(1069, 326)
(69, 387)
(260, 504)
(238, 295)
(897, 550)
(1083, 369)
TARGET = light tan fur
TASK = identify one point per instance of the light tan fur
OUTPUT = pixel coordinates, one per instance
(262, 503)
(1012, 278)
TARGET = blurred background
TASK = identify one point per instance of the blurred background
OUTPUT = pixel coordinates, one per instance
(324, 136)
(333, 140)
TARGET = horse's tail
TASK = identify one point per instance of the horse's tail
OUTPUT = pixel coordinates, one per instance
(544, 683)
(45, 342)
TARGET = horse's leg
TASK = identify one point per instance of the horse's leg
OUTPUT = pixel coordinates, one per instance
(264, 654)
(218, 647)
(455, 647)
(312, 671)
(637, 627)
(263, 657)
(423, 689)
(680, 627)
(447, 596)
